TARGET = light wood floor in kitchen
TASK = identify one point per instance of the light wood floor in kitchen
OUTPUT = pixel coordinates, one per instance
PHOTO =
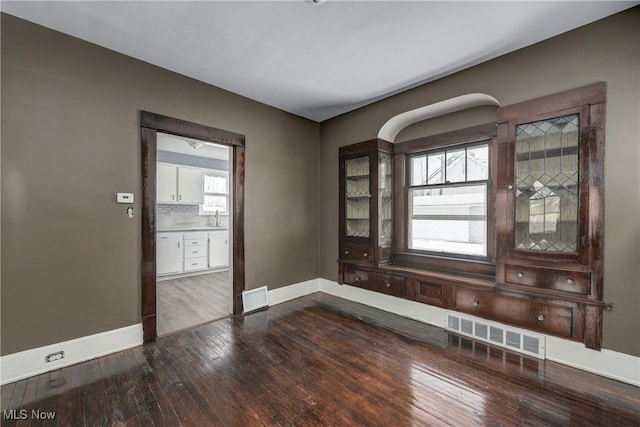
(191, 301)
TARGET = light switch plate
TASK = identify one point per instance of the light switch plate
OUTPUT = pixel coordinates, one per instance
(124, 197)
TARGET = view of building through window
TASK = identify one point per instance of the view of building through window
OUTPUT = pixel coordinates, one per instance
(216, 194)
(448, 200)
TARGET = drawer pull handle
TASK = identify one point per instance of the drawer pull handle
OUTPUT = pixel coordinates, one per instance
(475, 303)
(357, 278)
(388, 285)
(570, 281)
(540, 318)
(346, 252)
(366, 254)
(520, 274)
(510, 187)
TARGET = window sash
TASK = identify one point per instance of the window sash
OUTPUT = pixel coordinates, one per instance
(442, 229)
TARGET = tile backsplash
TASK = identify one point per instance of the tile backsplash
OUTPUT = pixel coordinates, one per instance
(176, 216)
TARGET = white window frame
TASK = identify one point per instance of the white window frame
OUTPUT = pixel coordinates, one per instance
(220, 174)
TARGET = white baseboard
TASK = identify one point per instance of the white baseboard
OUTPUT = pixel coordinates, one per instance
(607, 363)
(16, 366)
(297, 290)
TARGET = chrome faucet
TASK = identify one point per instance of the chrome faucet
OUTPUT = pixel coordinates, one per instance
(217, 219)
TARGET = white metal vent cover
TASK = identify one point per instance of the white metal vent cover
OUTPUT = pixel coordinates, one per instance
(495, 333)
(254, 299)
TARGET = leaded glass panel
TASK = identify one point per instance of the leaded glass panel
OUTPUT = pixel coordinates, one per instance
(358, 197)
(386, 198)
(546, 181)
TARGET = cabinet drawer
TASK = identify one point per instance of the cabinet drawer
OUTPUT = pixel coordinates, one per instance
(425, 291)
(535, 315)
(569, 281)
(195, 252)
(378, 282)
(169, 237)
(196, 235)
(194, 242)
(192, 264)
(354, 252)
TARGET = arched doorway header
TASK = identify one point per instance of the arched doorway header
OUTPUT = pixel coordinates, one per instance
(390, 130)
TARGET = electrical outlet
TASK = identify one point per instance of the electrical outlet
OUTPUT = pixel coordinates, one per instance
(54, 356)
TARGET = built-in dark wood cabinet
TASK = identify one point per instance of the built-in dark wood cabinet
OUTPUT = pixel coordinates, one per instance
(543, 270)
(366, 202)
(550, 213)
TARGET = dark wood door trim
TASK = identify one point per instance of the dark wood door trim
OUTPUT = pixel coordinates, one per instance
(150, 125)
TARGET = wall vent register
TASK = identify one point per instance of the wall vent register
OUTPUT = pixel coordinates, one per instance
(516, 339)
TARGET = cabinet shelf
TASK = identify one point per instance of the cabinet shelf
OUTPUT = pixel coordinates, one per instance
(546, 154)
(357, 177)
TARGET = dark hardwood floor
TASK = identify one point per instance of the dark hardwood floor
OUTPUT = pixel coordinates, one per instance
(323, 361)
(190, 301)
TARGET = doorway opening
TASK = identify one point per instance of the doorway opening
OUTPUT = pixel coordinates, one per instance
(192, 224)
(193, 207)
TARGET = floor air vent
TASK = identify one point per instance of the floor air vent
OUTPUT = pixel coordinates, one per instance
(254, 299)
(495, 333)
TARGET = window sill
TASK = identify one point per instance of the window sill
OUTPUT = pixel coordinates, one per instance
(460, 267)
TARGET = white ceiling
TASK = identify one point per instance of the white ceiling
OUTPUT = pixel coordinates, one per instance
(180, 144)
(314, 60)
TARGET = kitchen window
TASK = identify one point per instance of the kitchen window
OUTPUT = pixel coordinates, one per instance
(447, 200)
(216, 194)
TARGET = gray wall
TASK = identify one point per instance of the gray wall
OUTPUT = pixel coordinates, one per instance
(608, 51)
(71, 140)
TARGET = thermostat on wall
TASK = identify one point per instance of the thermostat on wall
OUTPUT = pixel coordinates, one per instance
(124, 197)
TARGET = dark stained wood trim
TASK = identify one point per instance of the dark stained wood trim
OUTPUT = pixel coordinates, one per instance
(150, 124)
(591, 94)
(190, 129)
(461, 136)
(238, 235)
(596, 198)
(148, 260)
(399, 204)
(357, 150)
(433, 263)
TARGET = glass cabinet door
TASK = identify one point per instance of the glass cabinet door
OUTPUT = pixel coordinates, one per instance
(357, 197)
(546, 185)
(385, 187)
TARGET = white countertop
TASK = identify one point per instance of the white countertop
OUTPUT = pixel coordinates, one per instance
(187, 228)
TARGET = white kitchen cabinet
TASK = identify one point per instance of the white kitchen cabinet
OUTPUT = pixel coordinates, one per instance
(179, 184)
(195, 251)
(166, 183)
(169, 253)
(190, 185)
(219, 249)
